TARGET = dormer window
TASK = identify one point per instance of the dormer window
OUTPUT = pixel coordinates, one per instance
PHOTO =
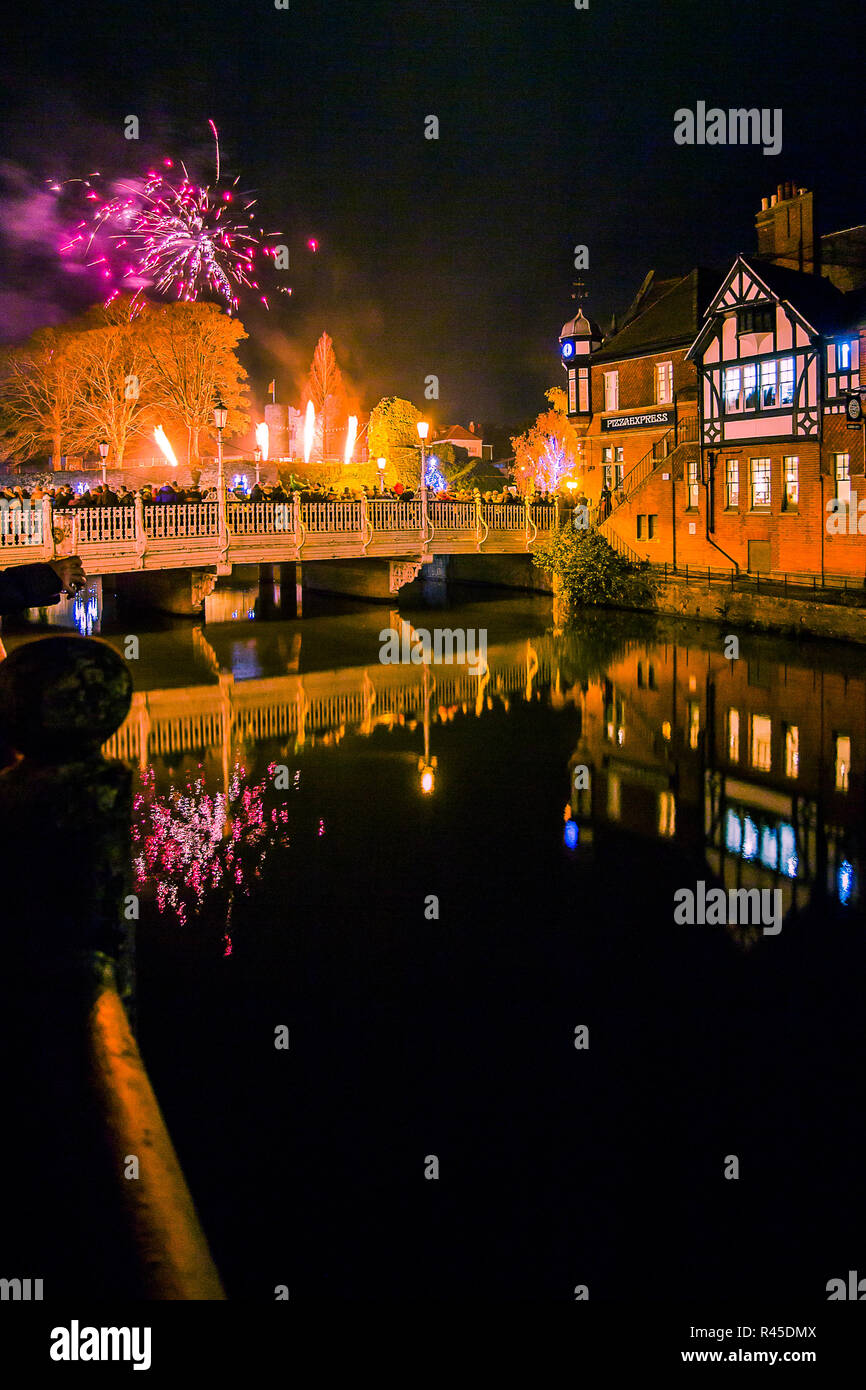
(759, 320)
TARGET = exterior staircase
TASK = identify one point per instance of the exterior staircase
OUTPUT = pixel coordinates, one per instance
(681, 436)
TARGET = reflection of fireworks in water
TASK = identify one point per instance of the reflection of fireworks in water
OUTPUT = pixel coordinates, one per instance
(177, 236)
(181, 841)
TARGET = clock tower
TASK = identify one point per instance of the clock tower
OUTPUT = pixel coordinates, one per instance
(579, 337)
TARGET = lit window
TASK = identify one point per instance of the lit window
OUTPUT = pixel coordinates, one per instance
(694, 723)
(666, 730)
(760, 484)
(583, 390)
(786, 381)
(611, 390)
(732, 483)
(572, 394)
(843, 357)
(664, 382)
(842, 474)
(768, 385)
(693, 476)
(733, 387)
(762, 733)
(792, 751)
(843, 762)
(734, 735)
(791, 475)
(750, 386)
(667, 813)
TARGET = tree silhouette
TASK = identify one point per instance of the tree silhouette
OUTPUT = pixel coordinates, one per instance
(326, 390)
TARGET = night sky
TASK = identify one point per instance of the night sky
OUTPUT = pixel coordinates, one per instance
(449, 256)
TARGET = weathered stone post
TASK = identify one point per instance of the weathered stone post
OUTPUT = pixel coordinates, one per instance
(80, 1113)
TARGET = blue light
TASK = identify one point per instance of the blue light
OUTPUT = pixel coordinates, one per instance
(790, 858)
(434, 477)
(769, 848)
(568, 349)
(733, 832)
(750, 838)
(845, 882)
(572, 834)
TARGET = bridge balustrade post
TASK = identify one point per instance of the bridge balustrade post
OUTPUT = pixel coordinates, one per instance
(77, 1100)
(223, 531)
(480, 524)
(297, 521)
(140, 532)
(49, 545)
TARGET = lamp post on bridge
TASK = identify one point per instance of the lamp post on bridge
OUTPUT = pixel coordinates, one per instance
(382, 464)
(103, 454)
(220, 416)
(423, 429)
(258, 464)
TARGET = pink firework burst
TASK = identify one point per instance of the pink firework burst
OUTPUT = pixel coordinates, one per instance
(172, 235)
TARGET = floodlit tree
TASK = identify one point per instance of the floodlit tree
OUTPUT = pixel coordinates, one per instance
(326, 390)
(191, 351)
(115, 401)
(40, 384)
(392, 434)
(547, 453)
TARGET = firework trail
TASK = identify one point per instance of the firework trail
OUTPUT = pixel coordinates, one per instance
(172, 235)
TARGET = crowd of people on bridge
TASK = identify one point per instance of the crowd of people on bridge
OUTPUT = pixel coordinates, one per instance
(64, 497)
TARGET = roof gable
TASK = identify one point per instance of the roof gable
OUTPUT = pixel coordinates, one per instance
(669, 321)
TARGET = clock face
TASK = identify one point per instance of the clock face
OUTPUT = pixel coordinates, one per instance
(568, 350)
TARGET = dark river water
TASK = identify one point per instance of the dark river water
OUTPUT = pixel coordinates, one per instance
(455, 890)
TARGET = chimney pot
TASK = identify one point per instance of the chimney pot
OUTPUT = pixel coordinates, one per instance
(765, 203)
(773, 200)
(780, 192)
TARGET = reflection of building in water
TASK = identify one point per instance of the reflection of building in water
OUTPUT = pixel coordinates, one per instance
(755, 764)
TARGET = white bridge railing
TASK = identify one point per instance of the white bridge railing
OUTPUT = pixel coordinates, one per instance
(37, 526)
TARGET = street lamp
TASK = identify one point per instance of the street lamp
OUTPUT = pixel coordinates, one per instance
(220, 416)
(258, 464)
(382, 464)
(423, 429)
(103, 454)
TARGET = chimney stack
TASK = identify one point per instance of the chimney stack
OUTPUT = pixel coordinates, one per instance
(785, 228)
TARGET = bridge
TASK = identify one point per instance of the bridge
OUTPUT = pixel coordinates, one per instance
(230, 714)
(220, 534)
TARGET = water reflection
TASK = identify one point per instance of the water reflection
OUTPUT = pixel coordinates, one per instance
(751, 771)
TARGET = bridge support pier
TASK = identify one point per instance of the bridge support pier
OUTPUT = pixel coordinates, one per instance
(181, 592)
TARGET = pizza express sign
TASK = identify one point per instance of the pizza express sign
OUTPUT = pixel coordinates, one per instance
(651, 419)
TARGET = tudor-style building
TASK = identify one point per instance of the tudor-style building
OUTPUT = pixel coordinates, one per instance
(762, 444)
(777, 357)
